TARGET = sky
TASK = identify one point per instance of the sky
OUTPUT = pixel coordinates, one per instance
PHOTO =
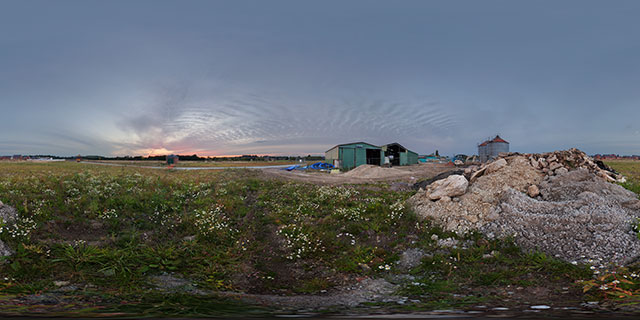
(298, 77)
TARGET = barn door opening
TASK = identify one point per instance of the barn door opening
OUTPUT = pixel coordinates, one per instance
(394, 151)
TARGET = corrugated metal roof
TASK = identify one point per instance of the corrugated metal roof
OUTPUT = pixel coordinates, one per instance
(498, 139)
(346, 144)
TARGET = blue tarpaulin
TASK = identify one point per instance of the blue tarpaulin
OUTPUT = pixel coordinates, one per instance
(315, 166)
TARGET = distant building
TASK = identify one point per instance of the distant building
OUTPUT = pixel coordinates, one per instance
(172, 160)
(491, 148)
(350, 155)
(615, 157)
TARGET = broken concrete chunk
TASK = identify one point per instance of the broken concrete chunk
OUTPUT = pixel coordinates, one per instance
(534, 163)
(451, 186)
(566, 208)
(7, 213)
(477, 174)
(554, 165)
(496, 165)
(5, 250)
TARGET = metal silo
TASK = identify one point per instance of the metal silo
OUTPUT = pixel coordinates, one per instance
(498, 145)
(482, 151)
(490, 149)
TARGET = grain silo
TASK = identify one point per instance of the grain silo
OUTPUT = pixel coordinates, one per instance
(490, 149)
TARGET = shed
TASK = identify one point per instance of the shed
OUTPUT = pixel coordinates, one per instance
(172, 160)
(351, 155)
(401, 155)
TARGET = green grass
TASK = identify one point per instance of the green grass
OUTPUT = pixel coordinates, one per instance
(113, 227)
(631, 170)
(110, 230)
(490, 263)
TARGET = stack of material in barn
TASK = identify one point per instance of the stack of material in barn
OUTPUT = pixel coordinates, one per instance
(399, 155)
(351, 155)
(491, 148)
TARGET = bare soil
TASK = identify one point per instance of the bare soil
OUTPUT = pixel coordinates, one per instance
(408, 174)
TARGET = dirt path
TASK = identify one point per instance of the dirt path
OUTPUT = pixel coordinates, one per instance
(407, 174)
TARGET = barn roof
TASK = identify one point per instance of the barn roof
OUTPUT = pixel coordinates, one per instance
(346, 144)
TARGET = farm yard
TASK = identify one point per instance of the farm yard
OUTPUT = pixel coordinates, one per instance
(90, 240)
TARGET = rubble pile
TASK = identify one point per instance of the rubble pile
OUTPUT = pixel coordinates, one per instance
(7, 215)
(559, 162)
(561, 203)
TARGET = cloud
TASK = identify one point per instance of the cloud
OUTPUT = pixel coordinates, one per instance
(185, 120)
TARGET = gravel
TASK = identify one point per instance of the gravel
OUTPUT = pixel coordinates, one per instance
(584, 219)
(8, 214)
(411, 258)
(578, 215)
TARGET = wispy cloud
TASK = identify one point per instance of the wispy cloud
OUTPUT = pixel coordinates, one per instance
(180, 122)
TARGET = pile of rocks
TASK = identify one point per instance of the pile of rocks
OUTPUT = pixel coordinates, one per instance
(559, 162)
(561, 203)
(7, 215)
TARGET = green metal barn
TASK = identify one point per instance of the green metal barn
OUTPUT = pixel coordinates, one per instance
(351, 155)
(401, 155)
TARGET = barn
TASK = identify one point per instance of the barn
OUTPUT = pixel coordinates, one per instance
(350, 155)
(399, 155)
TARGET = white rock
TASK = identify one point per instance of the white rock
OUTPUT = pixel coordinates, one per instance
(452, 186)
(496, 165)
(561, 170)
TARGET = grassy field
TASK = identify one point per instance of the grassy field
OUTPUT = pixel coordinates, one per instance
(631, 170)
(187, 164)
(97, 239)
